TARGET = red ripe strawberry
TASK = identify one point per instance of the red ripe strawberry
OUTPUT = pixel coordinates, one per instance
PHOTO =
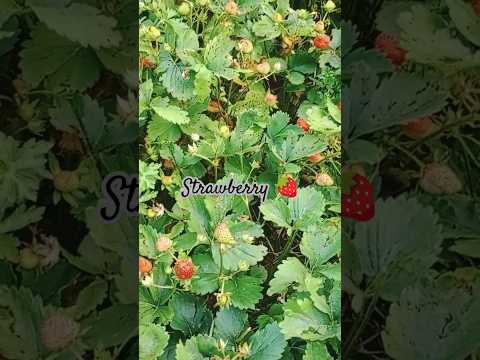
(322, 41)
(301, 122)
(144, 265)
(419, 128)
(146, 63)
(287, 186)
(357, 197)
(389, 45)
(316, 157)
(476, 6)
(184, 269)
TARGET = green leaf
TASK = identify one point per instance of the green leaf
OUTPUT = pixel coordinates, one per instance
(21, 217)
(149, 175)
(428, 41)
(318, 118)
(145, 95)
(267, 343)
(153, 339)
(266, 28)
(9, 8)
(365, 151)
(112, 326)
(306, 208)
(159, 129)
(90, 297)
(435, 317)
(168, 112)
(9, 247)
(398, 245)
(202, 83)
(149, 313)
(197, 348)
(290, 271)
(229, 324)
(316, 351)
(277, 212)
(190, 315)
(20, 330)
(186, 38)
(206, 276)
(90, 27)
(239, 252)
(49, 56)
(303, 320)
(245, 290)
(93, 120)
(467, 247)
(466, 20)
(22, 167)
(296, 147)
(387, 105)
(303, 63)
(320, 244)
(216, 56)
(91, 258)
(296, 78)
(177, 79)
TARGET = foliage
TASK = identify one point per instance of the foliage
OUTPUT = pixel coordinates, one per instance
(411, 100)
(222, 85)
(67, 114)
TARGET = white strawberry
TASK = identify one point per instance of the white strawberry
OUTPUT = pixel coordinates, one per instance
(58, 331)
(223, 235)
(439, 179)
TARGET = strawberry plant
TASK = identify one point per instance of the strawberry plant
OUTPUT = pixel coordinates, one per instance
(243, 91)
(67, 119)
(411, 116)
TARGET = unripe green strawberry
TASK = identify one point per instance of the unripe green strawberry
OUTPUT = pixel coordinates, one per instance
(440, 179)
(203, 2)
(330, 5)
(243, 265)
(66, 181)
(184, 9)
(29, 260)
(58, 332)
(320, 26)
(223, 299)
(244, 350)
(151, 213)
(277, 17)
(153, 33)
(26, 111)
(225, 131)
(21, 86)
(223, 235)
(303, 14)
(167, 180)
